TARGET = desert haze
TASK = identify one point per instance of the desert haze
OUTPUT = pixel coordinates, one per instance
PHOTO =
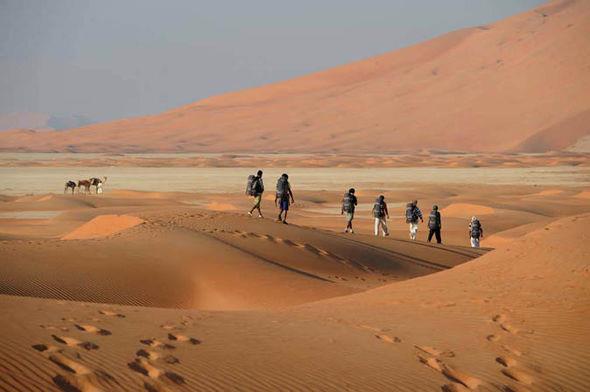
(521, 84)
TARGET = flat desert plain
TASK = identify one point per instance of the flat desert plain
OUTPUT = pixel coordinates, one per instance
(169, 290)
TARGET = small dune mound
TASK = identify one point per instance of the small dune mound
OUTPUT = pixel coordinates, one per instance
(215, 206)
(583, 195)
(466, 210)
(46, 198)
(103, 226)
(549, 192)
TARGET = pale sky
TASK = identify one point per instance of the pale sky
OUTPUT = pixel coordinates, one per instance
(118, 58)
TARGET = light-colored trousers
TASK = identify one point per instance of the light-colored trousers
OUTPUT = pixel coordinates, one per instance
(381, 223)
(474, 242)
(413, 230)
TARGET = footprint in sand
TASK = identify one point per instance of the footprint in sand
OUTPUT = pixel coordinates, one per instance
(454, 375)
(68, 364)
(171, 327)
(492, 338)
(518, 375)
(155, 343)
(509, 328)
(388, 339)
(153, 355)
(79, 377)
(54, 328)
(143, 366)
(183, 338)
(93, 329)
(71, 342)
(110, 313)
(45, 348)
(506, 361)
(435, 352)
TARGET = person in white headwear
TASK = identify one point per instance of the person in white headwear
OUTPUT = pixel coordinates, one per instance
(475, 232)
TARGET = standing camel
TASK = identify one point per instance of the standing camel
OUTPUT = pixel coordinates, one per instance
(86, 184)
(70, 184)
(98, 183)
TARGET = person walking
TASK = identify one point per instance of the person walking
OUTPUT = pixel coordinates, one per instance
(255, 189)
(413, 214)
(475, 232)
(349, 203)
(434, 224)
(284, 197)
(381, 215)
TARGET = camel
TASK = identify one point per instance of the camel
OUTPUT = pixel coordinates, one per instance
(86, 184)
(97, 182)
(70, 184)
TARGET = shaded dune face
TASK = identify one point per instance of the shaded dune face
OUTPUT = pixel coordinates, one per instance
(210, 260)
(521, 84)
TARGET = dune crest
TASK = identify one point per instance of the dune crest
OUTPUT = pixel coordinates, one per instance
(103, 226)
(521, 84)
(466, 210)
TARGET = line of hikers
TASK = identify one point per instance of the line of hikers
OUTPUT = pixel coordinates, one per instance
(284, 197)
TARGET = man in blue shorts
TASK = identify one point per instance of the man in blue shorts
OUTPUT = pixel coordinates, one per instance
(284, 197)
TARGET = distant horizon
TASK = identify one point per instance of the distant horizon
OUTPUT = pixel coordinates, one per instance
(101, 62)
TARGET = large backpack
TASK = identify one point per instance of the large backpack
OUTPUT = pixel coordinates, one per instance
(379, 209)
(348, 202)
(410, 213)
(282, 187)
(475, 229)
(433, 222)
(251, 185)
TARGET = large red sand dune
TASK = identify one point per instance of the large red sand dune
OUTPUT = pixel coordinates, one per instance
(520, 84)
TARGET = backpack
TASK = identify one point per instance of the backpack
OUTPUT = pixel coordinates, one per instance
(348, 202)
(410, 213)
(282, 187)
(475, 229)
(433, 221)
(378, 209)
(251, 186)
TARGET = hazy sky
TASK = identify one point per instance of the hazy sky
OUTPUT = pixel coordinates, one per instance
(117, 58)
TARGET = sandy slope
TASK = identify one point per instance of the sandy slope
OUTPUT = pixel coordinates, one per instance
(199, 299)
(516, 319)
(518, 84)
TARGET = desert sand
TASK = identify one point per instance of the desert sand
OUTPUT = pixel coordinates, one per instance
(163, 293)
(520, 84)
(164, 283)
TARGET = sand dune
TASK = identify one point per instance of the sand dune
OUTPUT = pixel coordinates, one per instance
(521, 84)
(514, 319)
(103, 226)
(466, 210)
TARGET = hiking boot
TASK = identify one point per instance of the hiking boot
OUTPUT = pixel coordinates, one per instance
(260, 216)
(249, 213)
(285, 222)
(351, 231)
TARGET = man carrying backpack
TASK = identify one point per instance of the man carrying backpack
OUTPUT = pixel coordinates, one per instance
(413, 213)
(434, 224)
(475, 232)
(349, 203)
(283, 197)
(381, 215)
(255, 189)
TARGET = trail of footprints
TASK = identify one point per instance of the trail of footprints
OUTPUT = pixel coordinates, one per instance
(510, 367)
(149, 361)
(432, 357)
(64, 352)
(305, 246)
